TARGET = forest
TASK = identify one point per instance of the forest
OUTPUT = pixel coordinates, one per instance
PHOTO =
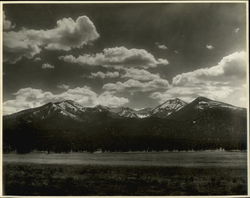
(106, 134)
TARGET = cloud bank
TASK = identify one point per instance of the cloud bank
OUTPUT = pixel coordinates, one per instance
(29, 98)
(117, 57)
(225, 81)
(133, 86)
(231, 69)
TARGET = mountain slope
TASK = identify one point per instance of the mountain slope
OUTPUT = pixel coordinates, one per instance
(59, 115)
(47, 111)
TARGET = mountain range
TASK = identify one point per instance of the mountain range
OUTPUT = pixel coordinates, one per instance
(173, 125)
(72, 110)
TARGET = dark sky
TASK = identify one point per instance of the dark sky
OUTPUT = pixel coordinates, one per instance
(189, 36)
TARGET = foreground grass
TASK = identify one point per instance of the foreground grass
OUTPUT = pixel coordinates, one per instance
(37, 179)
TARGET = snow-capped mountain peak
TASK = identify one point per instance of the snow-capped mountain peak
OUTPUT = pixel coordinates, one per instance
(71, 106)
(127, 112)
(168, 107)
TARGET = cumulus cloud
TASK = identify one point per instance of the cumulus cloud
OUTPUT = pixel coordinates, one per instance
(161, 46)
(7, 24)
(231, 69)
(140, 74)
(16, 45)
(66, 35)
(210, 47)
(117, 57)
(108, 99)
(105, 75)
(232, 95)
(63, 86)
(29, 98)
(188, 93)
(224, 82)
(47, 66)
(133, 86)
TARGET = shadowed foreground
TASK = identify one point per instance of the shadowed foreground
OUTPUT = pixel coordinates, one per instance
(54, 179)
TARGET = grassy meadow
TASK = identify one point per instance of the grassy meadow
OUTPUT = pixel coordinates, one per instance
(58, 179)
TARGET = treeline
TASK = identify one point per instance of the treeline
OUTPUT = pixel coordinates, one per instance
(151, 134)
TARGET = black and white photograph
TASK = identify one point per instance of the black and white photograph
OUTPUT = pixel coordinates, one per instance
(125, 98)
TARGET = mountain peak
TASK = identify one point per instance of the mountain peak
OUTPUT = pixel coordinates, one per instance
(206, 103)
(66, 102)
(168, 107)
(174, 101)
(201, 98)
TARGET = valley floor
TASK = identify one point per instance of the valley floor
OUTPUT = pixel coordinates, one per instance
(29, 178)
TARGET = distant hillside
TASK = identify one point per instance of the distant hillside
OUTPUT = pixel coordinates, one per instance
(174, 125)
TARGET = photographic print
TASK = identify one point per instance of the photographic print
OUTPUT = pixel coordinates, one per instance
(125, 99)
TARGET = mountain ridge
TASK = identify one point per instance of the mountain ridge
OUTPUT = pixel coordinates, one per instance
(67, 126)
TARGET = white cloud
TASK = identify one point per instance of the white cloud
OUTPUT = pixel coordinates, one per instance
(7, 24)
(47, 66)
(63, 86)
(66, 35)
(140, 74)
(70, 34)
(224, 82)
(161, 46)
(108, 99)
(236, 30)
(105, 75)
(37, 59)
(117, 57)
(29, 98)
(16, 45)
(231, 69)
(188, 93)
(210, 47)
(228, 94)
(176, 51)
(133, 86)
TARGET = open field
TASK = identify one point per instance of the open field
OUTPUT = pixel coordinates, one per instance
(172, 159)
(24, 178)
